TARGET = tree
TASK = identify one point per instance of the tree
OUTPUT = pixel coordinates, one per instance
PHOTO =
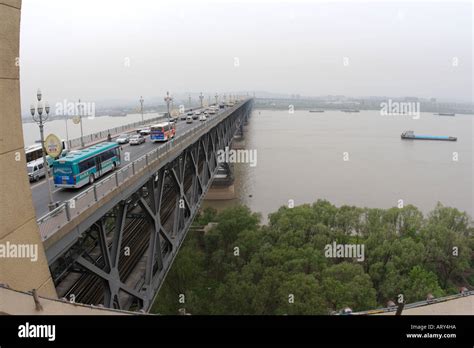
(301, 294)
(346, 284)
(240, 267)
(419, 284)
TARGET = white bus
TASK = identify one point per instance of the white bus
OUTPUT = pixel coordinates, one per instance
(35, 152)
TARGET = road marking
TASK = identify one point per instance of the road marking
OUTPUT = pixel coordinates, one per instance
(41, 182)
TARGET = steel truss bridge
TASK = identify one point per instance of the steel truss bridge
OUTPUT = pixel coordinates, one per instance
(116, 250)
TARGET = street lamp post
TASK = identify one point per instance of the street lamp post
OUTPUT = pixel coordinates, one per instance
(37, 115)
(67, 132)
(80, 109)
(189, 101)
(216, 96)
(168, 99)
(201, 97)
(141, 107)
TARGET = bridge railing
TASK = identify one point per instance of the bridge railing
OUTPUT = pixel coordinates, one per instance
(54, 220)
(416, 304)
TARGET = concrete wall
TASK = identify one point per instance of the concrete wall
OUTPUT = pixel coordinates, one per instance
(21, 303)
(457, 306)
(17, 216)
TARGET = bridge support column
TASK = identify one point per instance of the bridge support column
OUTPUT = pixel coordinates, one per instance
(223, 185)
(23, 264)
(221, 193)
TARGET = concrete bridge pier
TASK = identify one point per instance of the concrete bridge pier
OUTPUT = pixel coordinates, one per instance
(23, 265)
(223, 185)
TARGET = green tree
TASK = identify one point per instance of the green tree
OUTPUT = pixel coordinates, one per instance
(419, 284)
(346, 284)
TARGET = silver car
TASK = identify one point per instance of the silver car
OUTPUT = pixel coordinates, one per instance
(123, 139)
(145, 131)
(137, 139)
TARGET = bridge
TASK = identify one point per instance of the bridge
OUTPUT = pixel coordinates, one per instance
(122, 233)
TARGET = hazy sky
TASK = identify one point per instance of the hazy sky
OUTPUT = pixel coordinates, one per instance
(121, 49)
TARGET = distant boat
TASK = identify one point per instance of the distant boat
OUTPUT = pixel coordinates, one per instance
(316, 110)
(410, 135)
(446, 114)
(350, 110)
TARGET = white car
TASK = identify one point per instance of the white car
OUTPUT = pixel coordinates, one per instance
(202, 118)
(212, 111)
(189, 119)
(137, 139)
(145, 131)
(123, 139)
(35, 170)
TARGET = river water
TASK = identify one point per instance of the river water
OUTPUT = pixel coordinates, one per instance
(355, 159)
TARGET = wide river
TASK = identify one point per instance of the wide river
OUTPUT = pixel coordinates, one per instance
(355, 159)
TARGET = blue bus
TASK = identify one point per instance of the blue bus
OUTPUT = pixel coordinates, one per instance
(84, 166)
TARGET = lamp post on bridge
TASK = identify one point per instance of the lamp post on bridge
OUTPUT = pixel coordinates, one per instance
(67, 132)
(201, 97)
(141, 106)
(37, 115)
(80, 109)
(189, 101)
(168, 99)
(216, 96)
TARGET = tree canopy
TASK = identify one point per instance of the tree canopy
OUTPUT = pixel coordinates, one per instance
(243, 267)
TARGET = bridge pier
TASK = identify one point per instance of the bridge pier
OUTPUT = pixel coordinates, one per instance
(19, 232)
(223, 187)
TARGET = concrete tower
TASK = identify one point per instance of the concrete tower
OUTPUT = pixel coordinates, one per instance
(17, 216)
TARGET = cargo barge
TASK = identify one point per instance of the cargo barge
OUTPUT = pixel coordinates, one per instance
(316, 110)
(410, 135)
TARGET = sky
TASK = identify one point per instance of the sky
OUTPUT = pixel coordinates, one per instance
(120, 50)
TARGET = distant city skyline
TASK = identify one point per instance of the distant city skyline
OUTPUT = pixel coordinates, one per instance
(103, 51)
(155, 103)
